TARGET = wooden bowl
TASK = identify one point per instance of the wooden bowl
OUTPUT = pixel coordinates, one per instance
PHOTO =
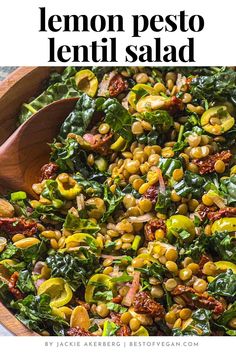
(17, 88)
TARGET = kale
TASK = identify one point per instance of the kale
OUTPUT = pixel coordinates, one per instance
(25, 282)
(163, 203)
(191, 183)
(61, 77)
(100, 71)
(72, 268)
(116, 307)
(76, 224)
(223, 321)
(9, 251)
(91, 187)
(224, 284)
(63, 153)
(112, 201)
(228, 186)
(55, 92)
(105, 295)
(118, 118)
(27, 255)
(181, 143)
(179, 146)
(199, 326)
(168, 165)
(35, 313)
(151, 138)
(122, 278)
(51, 193)
(195, 249)
(16, 267)
(155, 270)
(109, 328)
(220, 86)
(222, 245)
(79, 119)
(5, 295)
(71, 157)
(160, 119)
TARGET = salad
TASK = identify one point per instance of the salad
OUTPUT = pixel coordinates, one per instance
(133, 229)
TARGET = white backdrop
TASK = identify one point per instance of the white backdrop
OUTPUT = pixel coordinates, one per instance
(21, 43)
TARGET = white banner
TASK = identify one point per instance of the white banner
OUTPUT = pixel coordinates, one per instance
(141, 33)
(116, 345)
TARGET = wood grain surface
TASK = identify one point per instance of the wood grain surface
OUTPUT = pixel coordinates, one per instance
(12, 324)
(27, 149)
(18, 87)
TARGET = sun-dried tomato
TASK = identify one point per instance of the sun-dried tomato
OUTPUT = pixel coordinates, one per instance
(18, 225)
(203, 260)
(174, 105)
(124, 331)
(215, 215)
(206, 164)
(117, 299)
(203, 211)
(99, 142)
(12, 286)
(77, 331)
(151, 227)
(199, 300)
(143, 303)
(151, 194)
(117, 85)
(116, 318)
(49, 171)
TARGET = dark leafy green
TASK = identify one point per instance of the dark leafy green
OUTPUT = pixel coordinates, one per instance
(223, 320)
(195, 249)
(72, 268)
(116, 307)
(228, 186)
(191, 183)
(35, 313)
(56, 91)
(217, 87)
(27, 255)
(91, 187)
(224, 284)
(168, 165)
(25, 282)
(79, 119)
(223, 245)
(118, 118)
(112, 201)
(160, 119)
(164, 203)
(75, 223)
(200, 326)
(109, 328)
(62, 154)
(5, 295)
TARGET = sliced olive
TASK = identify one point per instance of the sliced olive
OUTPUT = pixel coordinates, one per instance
(217, 120)
(87, 82)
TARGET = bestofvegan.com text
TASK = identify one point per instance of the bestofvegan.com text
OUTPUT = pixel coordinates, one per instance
(104, 50)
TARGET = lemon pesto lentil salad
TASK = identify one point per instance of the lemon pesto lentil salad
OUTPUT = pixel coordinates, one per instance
(133, 229)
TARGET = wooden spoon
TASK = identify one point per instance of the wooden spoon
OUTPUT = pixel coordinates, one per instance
(27, 150)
